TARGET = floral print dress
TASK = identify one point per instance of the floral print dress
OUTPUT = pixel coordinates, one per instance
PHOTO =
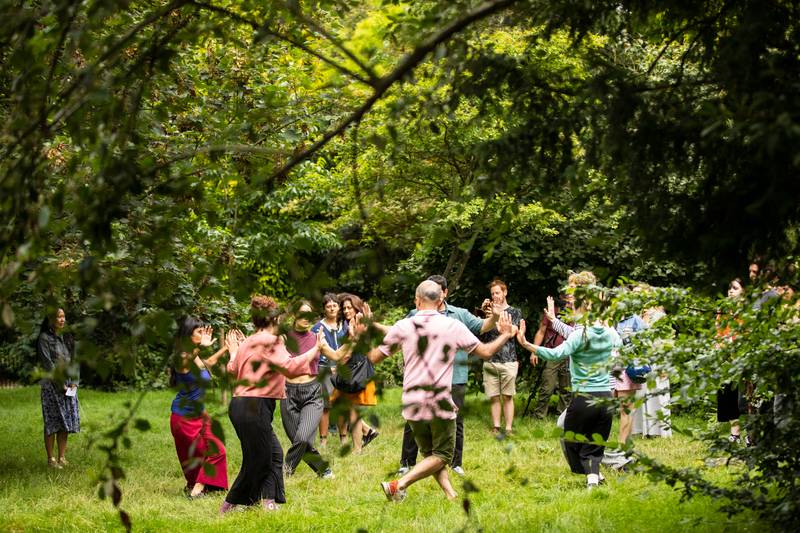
(60, 412)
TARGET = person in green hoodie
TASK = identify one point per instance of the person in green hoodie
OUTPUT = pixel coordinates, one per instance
(589, 349)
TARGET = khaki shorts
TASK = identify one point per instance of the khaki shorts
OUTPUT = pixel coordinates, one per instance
(500, 378)
(435, 437)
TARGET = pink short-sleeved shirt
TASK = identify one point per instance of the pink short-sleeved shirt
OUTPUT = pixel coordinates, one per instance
(254, 366)
(428, 376)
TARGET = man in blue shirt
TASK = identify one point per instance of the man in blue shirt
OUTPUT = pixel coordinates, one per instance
(477, 326)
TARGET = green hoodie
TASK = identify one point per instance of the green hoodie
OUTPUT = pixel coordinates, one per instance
(589, 353)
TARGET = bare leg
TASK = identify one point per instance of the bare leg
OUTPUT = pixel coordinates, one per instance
(324, 424)
(365, 428)
(427, 467)
(49, 440)
(625, 417)
(355, 431)
(341, 424)
(197, 489)
(444, 481)
(62, 445)
(508, 411)
(495, 410)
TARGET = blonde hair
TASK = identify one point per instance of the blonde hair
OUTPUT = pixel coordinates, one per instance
(577, 279)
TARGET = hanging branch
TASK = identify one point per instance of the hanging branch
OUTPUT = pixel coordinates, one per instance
(406, 66)
(263, 28)
(311, 23)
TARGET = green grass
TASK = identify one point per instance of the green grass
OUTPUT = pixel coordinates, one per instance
(524, 484)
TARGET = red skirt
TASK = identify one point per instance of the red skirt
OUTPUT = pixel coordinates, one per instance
(201, 453)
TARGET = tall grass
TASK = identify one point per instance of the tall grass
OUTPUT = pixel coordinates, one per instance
(520, 484)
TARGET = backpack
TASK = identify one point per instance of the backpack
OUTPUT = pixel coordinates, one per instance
(354, 376)
(636, 372)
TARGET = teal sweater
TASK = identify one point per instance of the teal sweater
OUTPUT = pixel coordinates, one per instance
(590, 354)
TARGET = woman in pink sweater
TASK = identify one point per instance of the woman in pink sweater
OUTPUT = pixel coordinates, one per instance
(260, 365)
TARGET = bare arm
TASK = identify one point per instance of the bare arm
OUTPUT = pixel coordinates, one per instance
(537, 340)
(375, 355)
(538, 337)
(491, 321)
(506, 329)
(383, 328)
(341, 354)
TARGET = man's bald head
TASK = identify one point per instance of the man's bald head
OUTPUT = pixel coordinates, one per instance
(429, 291)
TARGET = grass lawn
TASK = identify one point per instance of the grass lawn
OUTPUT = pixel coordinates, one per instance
(523, 484)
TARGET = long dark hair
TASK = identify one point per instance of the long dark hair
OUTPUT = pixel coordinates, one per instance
(355, 301)
(47, 326)
(182, 342)
(183, 336)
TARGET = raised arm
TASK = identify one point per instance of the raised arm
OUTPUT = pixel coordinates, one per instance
(491, 321)
(206, 339)
(537, 339)
(506, 329)
(561, 328)
(383, 328)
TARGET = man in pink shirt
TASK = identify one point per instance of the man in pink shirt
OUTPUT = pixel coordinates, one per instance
(429, 341)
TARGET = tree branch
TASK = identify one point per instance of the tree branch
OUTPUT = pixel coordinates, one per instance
(405, 67)
(257, 26)
(311, 23)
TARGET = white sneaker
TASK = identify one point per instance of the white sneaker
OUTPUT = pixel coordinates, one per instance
(403, 470)
(460, 471)
(327, 474)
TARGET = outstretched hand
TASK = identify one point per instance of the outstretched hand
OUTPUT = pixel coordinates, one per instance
(521, 332)
(322, 342)
(232, 341)
(206, 338)
(550, 310)
(357, 326)
(505, 326)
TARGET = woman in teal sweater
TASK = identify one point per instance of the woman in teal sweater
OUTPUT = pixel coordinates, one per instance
(589, 349)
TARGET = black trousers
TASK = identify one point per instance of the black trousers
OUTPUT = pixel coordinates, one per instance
(585, 419)
(261, 475)
(408, 456)
(301, 412)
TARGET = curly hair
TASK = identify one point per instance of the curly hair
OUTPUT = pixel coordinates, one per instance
(264, 311)
(355, 301)
(578, 279)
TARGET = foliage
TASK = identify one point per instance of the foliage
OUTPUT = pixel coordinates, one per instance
(161, 158)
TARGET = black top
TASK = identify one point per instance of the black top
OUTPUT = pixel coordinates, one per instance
(508, 352)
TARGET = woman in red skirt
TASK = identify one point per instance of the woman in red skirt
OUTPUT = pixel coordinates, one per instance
(196, 445)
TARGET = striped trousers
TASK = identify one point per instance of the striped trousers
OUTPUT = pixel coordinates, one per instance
(301, 411)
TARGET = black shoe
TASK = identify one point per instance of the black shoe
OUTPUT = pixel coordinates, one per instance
(369, 437)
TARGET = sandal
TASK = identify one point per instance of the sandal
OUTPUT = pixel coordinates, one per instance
(52, 463)
(369, 437)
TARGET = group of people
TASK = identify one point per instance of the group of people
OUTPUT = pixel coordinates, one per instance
(316, 368)
(737, 398)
